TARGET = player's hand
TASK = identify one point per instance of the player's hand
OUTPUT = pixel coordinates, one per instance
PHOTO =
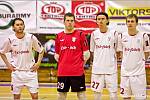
(35, 67)
(11, 67)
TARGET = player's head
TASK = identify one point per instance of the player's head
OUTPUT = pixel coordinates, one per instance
(18, 25)
(102, 18)
(131, 21)
(132, 16)
(69, 21)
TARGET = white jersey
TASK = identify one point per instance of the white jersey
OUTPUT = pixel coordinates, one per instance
(21, 50)
(133, 47)
(104, 47)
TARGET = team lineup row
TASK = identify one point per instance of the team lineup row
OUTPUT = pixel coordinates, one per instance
(71, 53)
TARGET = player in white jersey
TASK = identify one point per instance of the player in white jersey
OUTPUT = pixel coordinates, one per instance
(103, 50)
(22, 64)
(133, 44)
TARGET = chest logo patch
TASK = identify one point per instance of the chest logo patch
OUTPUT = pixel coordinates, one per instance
(74, 39)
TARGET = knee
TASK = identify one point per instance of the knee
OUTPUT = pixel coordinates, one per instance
(34, 96)
(62, 95)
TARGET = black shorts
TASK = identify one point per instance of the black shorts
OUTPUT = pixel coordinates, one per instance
(77, 83)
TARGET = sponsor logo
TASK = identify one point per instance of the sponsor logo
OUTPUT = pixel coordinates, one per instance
(74, 39)
(52, 11)
(102, 46)
(132, 49)
(121, 13)
(68, 47)
(7, 13)
(87, 11)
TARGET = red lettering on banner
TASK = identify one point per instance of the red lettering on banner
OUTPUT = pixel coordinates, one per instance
(85, 12)
(52, 11)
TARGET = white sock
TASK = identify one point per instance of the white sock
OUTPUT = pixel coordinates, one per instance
(62, 95)
(81, 95)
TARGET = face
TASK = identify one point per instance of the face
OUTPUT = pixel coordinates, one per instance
(102, 21)
(18, 26)
(131, 23)
(69, 23)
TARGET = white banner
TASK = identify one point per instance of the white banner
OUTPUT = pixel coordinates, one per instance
(119, 9)
(50, 15)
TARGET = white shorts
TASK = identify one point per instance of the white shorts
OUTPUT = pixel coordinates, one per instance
(99, 81)
(133, 85)
(24, 78)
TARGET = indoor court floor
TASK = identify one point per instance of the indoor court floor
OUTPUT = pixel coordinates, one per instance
(47, 91)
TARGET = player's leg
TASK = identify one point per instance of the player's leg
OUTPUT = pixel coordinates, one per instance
(81, 95)
(138, 86)
(32, 84)
(112, 85)
(62, 95)
(63, 85)
(33, 92)
(78, 85)
(17, 96)
(97, 84)
(17, 85)
(125, 89)
(16, 92)
(34, 96)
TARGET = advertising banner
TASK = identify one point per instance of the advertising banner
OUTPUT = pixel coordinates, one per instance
(50, 15)
(85, 12)
(119, 9)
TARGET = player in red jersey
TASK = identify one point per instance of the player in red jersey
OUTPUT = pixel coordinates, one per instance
(72, 52)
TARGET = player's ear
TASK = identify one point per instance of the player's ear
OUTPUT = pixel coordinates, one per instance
(13, 28)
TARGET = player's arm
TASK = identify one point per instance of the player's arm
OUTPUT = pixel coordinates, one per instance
(85, 47)
(39, 48)
(146, 45)
(57, 50)
(4, 58)
(146, 55)
(40, 56)
(92, 47)
(86, 55)
(119, 55)
(56, 56)
(6, 47)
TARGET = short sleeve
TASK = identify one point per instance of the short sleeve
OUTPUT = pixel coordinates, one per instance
(146, 43)
(92, 43)
(57, 44)
(119, 43)
(6, 46)
(37, 45)
(84, 42)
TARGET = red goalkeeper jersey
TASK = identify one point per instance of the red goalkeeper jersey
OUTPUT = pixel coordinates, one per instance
(70, 48)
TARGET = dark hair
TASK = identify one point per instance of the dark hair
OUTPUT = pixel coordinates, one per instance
(69, 14)
(14, 20)
(105, 14)
(132, 16)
